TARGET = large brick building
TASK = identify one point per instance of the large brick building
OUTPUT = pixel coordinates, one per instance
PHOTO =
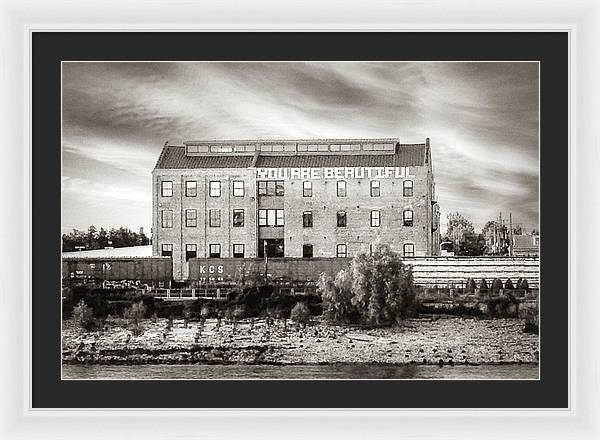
(295, 198)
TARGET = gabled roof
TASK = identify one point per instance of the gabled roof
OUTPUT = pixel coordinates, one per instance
(174, 157)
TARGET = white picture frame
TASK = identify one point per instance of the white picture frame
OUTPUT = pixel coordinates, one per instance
(19, 19)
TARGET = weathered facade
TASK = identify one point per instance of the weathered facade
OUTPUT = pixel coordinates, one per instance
(299, 198)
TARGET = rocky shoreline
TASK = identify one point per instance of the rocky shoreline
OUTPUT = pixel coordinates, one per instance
(431, 340)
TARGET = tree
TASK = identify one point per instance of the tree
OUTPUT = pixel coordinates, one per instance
(337, 296)
(143, 238)
(496, 285)
(376, 289)
(94, 239)
(483, 286)
(134, 315)
(458, 226)
(84, 316)
(470, 285)
(496, 236)
(472, 245)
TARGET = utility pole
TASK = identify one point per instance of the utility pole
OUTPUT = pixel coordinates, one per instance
(510, 232)
(501, 231)
(266, 258)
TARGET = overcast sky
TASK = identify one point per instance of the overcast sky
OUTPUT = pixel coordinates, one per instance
(482, 119)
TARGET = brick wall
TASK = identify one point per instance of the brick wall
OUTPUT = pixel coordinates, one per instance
(203, 235)
(324, 236)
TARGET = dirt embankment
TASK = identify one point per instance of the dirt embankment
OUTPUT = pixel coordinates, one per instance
(426, 340)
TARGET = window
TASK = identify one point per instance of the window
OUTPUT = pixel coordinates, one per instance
(407, 188)
(279, 187)
(238, 188)
(375, 219)
(214, 218)
(375, 188)
(274, 248)
(191, 188)
(270, 188)
(341, 188)
(214, 188)
(191, 218)
(262, 217)
(191, 251)
(214, 251)
(166, 188)
(307, 189)
(407, 217)
(166, 250)
(341, 251)
(279, 220)
(271, 217)
(238, 218)
(307, 251)
(167, 218)
(341, 219)
(307, 219)
(408, 250)
(238, 251)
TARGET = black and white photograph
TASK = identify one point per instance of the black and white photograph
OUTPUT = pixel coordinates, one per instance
(312, 220)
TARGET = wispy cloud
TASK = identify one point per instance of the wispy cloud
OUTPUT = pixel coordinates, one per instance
(482, 119)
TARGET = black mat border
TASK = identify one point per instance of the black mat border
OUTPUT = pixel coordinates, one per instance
(50, 48)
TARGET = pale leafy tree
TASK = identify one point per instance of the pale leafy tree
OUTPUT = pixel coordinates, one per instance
(84, 316)
(376, 289)
(458, 227)
(337, 297)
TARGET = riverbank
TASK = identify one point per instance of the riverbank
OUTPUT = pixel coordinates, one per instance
(431, 340)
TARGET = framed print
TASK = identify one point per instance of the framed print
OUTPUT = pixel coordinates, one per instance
(336, 224)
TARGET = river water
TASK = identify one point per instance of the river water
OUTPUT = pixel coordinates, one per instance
(333, 371)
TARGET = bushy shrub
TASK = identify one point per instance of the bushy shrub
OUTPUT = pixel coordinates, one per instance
(523, 284)
(239, 312)
(207, 311)
(531, 325)
(470, 285)
(508, 285)
(84, 316)
(134, 315)
(300, 313)
(496, 285)
(483, 286)
(501, 307)
(376, 289)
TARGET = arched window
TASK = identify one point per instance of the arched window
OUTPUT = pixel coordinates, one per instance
(407, 188)
(407, 217)
(408, 250)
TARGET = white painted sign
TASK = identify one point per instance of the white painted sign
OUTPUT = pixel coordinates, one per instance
(333, 173)
(210, 269)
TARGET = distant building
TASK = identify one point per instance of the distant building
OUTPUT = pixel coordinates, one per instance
(299, 198)
(526, 246)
